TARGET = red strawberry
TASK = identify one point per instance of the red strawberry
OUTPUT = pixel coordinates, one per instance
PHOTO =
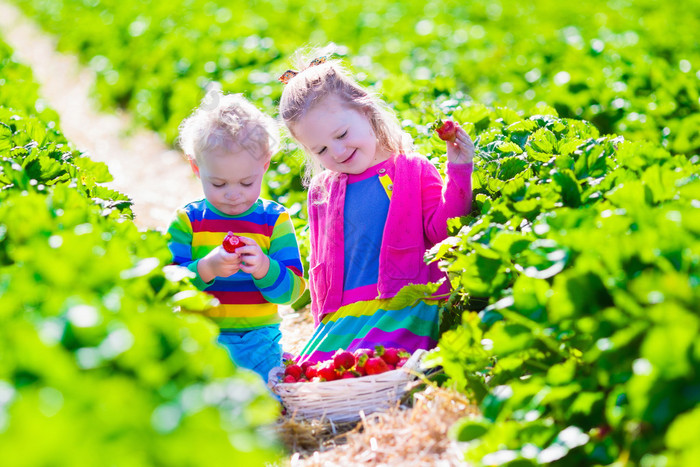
(231, 242)
(310, 369)
(390, 355)
(447, 130)
(349, 374)
(327, 371)
(359, 352)
(375, 366)
(293, 370)
(360, 367)
(343, 360)
(402, 361)
(289, 379)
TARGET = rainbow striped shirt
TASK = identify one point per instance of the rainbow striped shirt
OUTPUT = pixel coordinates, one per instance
(245, 302)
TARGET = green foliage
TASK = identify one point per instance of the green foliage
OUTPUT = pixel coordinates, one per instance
(577, 267)
(94, 363)
(630, 68)
(587, 249)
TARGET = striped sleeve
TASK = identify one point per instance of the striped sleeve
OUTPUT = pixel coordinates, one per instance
(284, 282)
(180, 245)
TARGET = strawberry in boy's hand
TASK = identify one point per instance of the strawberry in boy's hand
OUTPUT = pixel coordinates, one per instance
(446, 130)
(231, 242)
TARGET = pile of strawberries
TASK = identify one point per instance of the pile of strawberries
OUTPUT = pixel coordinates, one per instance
(345, 365)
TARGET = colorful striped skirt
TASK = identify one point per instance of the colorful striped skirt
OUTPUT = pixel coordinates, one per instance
(369, 323)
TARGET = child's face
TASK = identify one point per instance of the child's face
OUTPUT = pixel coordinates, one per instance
(231, 180)
(340, 137)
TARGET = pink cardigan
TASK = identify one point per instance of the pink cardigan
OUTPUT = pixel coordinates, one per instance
(417, 220)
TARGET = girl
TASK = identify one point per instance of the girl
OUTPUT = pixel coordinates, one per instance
(374, 209)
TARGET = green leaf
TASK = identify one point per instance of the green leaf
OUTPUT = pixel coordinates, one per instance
(508, 146)
(569, 187)
(543, 141)
(409, 295)
(469, 430)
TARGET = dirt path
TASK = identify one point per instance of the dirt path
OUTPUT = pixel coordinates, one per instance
(155, 176)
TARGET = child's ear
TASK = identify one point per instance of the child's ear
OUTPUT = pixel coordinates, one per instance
(193, 164)
(266, 166)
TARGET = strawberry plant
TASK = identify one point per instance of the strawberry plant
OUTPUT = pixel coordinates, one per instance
(94, 363)
(583, 251)
(614, 64)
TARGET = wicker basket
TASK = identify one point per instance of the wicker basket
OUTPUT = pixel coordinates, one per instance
(343, 399)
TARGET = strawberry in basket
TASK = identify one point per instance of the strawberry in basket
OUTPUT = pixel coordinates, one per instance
(346, 365)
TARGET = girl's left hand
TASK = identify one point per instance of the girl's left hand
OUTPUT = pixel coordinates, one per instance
(461, 150)
(255, 262)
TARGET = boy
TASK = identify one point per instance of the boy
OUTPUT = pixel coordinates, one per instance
(229, 148)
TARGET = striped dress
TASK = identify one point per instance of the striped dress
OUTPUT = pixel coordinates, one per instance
(246, 303)
(363, 321)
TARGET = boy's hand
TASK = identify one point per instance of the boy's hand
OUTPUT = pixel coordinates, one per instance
(461, 149)
(219, 263)
(255, 262)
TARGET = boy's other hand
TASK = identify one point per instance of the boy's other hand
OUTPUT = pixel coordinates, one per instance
(254, 261)
(219, 263)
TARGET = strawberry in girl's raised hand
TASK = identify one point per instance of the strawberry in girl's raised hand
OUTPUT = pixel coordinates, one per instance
(231, 242)
(446, 130)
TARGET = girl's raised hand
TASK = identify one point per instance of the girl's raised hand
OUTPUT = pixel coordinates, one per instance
(461, 149)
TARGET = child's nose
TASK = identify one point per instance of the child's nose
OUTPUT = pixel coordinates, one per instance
(232, 194)
(338, 150)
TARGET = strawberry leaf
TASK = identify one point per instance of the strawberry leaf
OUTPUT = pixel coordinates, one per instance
(409, 295)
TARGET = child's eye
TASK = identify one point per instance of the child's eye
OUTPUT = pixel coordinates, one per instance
(247, 184)
(343, 135)
(217, 186)
(322, 151)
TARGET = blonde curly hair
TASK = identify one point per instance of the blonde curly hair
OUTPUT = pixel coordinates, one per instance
(228, 122)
